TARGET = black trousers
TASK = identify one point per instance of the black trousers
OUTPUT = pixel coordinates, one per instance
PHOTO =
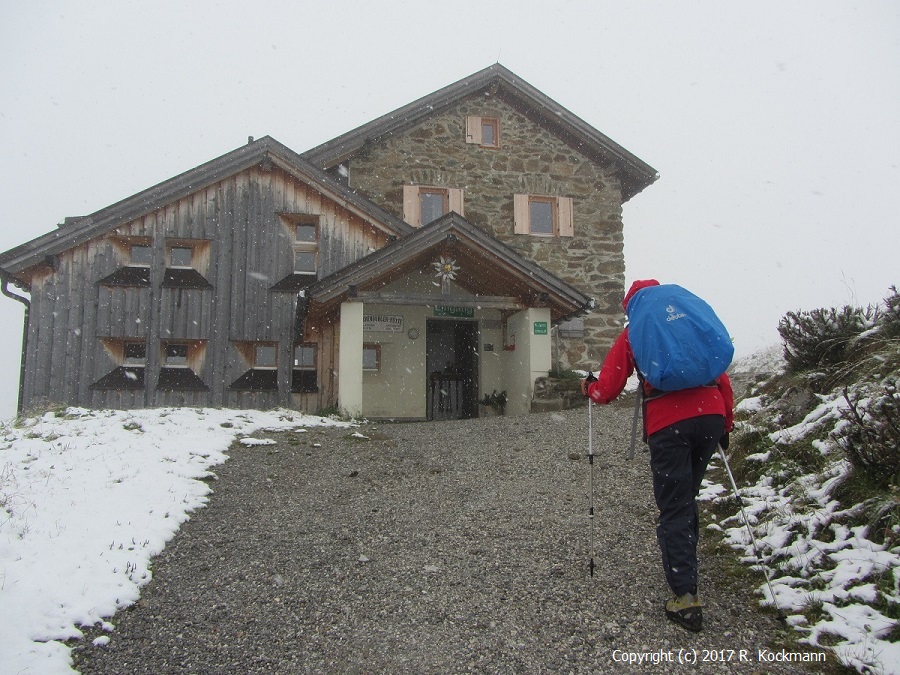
(679, 455)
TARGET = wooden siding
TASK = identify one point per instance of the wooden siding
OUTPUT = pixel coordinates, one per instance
(246, 249)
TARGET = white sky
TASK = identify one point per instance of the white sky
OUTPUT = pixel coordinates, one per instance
(773, 124)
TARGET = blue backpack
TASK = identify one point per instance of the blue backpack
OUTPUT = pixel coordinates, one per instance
(677, 340)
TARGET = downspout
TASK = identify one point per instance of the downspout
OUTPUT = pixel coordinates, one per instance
(6, 278)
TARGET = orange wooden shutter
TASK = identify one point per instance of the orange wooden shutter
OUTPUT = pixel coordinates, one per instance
(521, 215)
(455, 200)
(566, 217)
(473, 130)
(412, 208)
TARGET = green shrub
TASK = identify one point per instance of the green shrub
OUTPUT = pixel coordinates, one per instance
(819, 338)
(870, 435)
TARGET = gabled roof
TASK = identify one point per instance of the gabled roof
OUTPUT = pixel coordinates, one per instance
(489, 269)
(266, 150)
(634, 174)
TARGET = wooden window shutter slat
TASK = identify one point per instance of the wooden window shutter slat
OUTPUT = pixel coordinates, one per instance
(520, 213)
(412, 209)
(455, 200)
(473, 130)
(566, 217)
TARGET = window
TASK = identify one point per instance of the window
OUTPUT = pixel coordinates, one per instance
(141, 255)
(180, 360)
(541, 216)
(262, 359)
(424, 204)
(303, 376)
(135, 353)
(181, 256)
(306, 247)
(130, 357)
(265, 356)
(371, 356)
(433, 203)
(483, 131)
(175, 355)
(544, 216)
(305, 357)
(186, 263)
(302, 230)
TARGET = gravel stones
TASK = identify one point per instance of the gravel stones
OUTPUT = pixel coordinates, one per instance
(442, 547)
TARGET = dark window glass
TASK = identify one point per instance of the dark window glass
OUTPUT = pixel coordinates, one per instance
(176, 355)
(487, 134)
(305, 262)
(265, 356)
(135, 353)
(541, 217)
(304, 356)
(182, 256)
(141, 255)
(306, 233)
(433, 205)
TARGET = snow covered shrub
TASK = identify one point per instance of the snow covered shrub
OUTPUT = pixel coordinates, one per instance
(819, 338)
(870, 434)
(890, 317)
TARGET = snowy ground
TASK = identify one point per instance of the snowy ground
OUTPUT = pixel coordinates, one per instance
(835, 576)
(87, 498)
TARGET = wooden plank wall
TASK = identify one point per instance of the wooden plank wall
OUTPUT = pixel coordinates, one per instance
(249, 251)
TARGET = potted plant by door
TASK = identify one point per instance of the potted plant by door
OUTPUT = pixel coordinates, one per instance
(493, 404)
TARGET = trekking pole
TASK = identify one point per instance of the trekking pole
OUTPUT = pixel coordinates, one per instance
(591, 462)
(750, 531)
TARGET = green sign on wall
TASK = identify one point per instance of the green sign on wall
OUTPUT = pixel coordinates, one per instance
(540, 327)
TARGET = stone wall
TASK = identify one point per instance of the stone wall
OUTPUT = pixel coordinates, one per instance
(530, 160)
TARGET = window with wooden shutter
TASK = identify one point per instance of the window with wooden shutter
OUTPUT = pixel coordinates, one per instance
(423, 204)
(543, 216)
(483, 131)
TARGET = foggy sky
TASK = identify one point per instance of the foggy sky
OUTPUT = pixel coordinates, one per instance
(773, 125)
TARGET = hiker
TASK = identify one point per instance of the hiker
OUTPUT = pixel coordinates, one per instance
(683, 429)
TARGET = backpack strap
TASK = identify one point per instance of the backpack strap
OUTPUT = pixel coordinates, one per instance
(646, 393)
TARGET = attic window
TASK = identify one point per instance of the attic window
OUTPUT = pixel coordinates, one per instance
(483, 131)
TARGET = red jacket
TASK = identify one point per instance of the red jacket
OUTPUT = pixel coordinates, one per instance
(673, 406)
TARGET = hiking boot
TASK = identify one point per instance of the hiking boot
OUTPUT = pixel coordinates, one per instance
(686, 611)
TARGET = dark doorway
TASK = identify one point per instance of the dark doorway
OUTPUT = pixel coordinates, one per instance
(452, 366)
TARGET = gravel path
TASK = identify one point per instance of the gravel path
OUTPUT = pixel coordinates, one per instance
(443, 547)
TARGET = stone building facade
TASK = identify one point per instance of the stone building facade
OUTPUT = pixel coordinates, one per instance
(531, 159)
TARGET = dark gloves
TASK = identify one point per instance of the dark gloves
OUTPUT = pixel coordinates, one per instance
(586, 382)
(724, 441)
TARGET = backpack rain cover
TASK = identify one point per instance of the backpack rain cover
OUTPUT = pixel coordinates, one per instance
(677, 340)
